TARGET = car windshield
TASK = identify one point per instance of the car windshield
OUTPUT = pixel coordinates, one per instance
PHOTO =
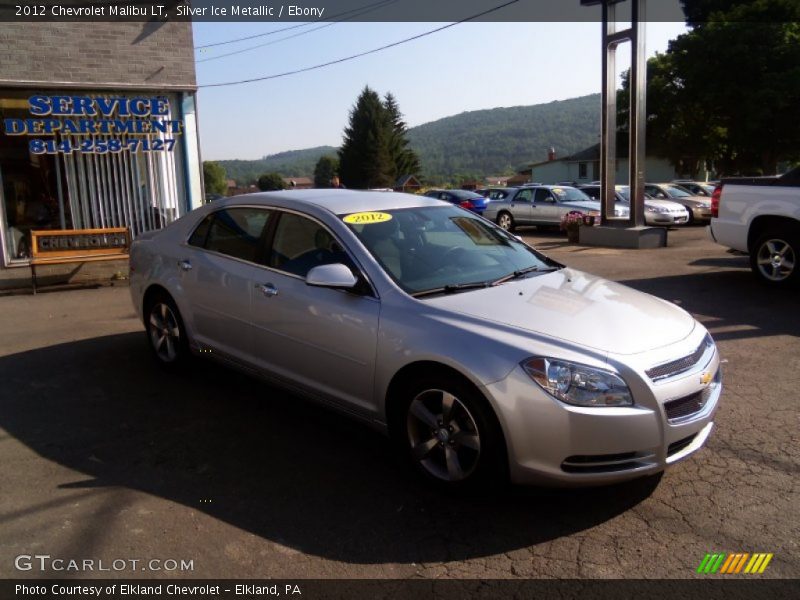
(443, 249)
(676, 192)
(569, 194)
(625, 192)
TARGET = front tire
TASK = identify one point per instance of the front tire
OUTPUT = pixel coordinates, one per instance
(449, 434)
(505, 221)
(166, 333)
(774, 257)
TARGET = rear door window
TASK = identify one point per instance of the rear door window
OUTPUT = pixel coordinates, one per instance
(236, 232)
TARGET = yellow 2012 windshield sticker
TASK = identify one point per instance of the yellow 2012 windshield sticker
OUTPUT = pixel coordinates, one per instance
(365, 218)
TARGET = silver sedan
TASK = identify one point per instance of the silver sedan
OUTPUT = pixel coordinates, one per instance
(542, 205)
(481, 358)
(699, 207)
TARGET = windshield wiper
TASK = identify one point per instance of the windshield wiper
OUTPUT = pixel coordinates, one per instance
(522, 272)
(451, 288)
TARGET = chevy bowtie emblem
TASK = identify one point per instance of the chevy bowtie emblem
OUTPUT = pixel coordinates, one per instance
(705, 378)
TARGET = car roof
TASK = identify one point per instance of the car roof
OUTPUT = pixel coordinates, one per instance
(337, 201)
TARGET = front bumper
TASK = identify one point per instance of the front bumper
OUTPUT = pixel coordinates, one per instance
(666, 219)
(701, 213)
(553, 443)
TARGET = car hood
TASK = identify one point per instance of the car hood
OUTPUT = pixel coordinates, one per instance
(665, 204)
(576, 307)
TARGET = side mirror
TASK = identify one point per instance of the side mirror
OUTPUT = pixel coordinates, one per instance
(336, 276)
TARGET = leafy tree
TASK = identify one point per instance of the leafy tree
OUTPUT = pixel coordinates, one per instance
(728, 90)
(271, 181)
(405, 160)
(215, 180)
(364, 158)
(327, 167)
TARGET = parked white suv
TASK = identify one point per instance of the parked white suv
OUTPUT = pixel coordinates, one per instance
(761, 216)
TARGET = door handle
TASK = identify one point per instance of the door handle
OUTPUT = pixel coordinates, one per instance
(185, 265)
(267, 289)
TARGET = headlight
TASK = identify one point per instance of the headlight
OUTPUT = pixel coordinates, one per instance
(578, 384)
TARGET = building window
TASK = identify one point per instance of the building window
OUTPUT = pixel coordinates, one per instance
(583, 171)
(85, 190)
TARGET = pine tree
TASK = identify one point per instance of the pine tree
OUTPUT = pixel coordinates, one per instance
(364, 157)
(404, 159)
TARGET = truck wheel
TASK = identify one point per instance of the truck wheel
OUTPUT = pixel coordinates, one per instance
(774, 257)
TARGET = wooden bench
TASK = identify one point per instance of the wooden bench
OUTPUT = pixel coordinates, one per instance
(63, 246)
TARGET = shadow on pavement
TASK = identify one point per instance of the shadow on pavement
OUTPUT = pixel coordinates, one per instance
(731, 300)
(271, 464)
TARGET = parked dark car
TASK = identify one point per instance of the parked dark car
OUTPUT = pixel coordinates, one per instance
(463, 198)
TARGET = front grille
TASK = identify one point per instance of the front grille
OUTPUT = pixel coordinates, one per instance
(688, 405)
(675, 367)
(604, 463)
(676, 447)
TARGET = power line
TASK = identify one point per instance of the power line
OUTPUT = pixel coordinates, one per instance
(288, 37)
(283, 39)
(360, 54)
(273, 32)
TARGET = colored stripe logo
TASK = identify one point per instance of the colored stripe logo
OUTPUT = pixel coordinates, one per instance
(731, 564)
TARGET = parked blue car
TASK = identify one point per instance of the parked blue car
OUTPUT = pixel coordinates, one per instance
(463, 198)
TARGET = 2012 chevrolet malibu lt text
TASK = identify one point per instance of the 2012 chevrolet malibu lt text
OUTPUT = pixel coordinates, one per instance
(482, 358)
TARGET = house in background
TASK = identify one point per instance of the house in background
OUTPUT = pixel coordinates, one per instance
(501, 181)
(236, 190)
(521, 178)
(298, 183)
(407, 183)
(584, 167)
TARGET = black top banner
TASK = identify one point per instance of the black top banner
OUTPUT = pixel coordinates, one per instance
(330, 10)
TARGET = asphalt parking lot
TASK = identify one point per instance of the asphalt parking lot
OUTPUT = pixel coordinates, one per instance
(106, 457)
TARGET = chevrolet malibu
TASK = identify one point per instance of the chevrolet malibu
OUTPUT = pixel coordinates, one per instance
(480, 357)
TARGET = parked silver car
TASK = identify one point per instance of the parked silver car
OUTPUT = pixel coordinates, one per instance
(663, 213)
(479, 356)
(542, 205)
(699, 207)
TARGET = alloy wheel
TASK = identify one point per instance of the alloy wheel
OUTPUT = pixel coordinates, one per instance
(165, 333)
(776, 260)
(504, 221)
(443, 435)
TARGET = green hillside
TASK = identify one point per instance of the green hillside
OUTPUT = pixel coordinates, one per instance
(478, 143)
(294, 163)
(503, 140)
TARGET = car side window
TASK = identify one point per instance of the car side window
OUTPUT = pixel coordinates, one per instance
(543, 195)
(198, 237)
(300, 244)
(237, 232)
(523, 196)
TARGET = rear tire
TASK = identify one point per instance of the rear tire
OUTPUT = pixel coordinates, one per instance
(166, 334)
(449, 434)
(774, 257)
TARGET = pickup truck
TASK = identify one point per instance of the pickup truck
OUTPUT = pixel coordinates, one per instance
(761, 217)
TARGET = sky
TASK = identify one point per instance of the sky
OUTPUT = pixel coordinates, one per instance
(470, 66)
